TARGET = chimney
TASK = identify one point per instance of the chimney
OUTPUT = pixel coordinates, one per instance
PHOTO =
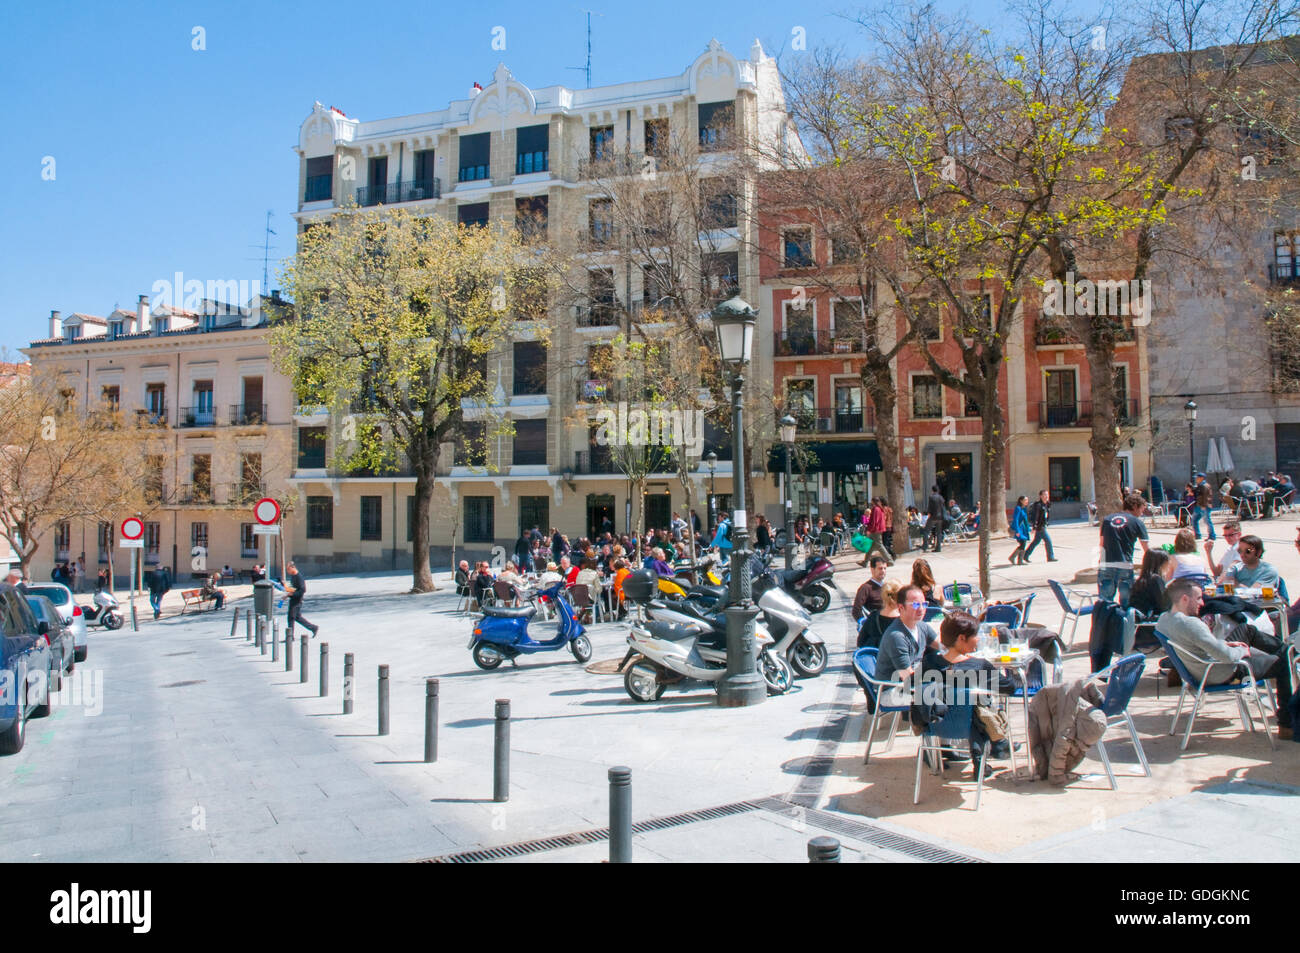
(142, 313)
(56, 324)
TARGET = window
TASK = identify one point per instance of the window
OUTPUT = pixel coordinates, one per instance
(247, 541)
(534, 511)
(250, 476)
(530, 443)
(475, 213)
(852, 331)
(1062, 409)
(602, 143)
(799, 336)
(376, 181)
(1125, 413)
(1259, 139)
(718, 203)
(424, 174)
(927, 397)
(156, 402)
(603, 310)
(311, 448)
(848, 408)
(600, 213)
(797, 247)
(201, 409)
(105, 542)
(479, 526)
(320, 517)
(114, 330)
(320, 179)
(658, 218)
(1286, 257)
(531, 216)
(801, 401)
(152, 542)
(532, 294)
(62, 539)
(654, 289)
(153, 481)
(717, 125)
(532, 149)
(721, 275)
(927, 319)
(530, 367)
(845, 249)
(372, 518)
(970, 406)
(656, 138)
(475, 156)
(111, 397)
(1063, 479)
(201, 477)
(471, 448)
(199, 537)
(253, 411)
(1179, 131)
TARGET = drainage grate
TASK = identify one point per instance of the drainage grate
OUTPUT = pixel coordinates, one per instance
(183, 684)
(593, 836)
(867, 833)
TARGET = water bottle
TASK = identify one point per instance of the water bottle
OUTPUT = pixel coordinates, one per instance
(956, 593)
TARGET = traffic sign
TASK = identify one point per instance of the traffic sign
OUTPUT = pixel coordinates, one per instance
(131, 543)
(262, 530)
(266, 511)
(132, 528)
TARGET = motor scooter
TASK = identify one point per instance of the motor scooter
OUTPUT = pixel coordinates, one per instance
(502, 633)
(810, 586)
(104, 611)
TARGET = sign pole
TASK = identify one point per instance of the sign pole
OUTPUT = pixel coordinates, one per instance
(135, 624)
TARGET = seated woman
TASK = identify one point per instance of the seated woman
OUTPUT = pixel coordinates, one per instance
(589, 576)
(1187, 561)
(482, 582)
(924, 578)
(959, 635)
(659, 564)
(873, 624)
(511, 575)
(1147, 596)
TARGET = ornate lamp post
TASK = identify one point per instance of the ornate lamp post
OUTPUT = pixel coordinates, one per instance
(712, 461)
(1189, 413)
(733, 321)
(789, 427)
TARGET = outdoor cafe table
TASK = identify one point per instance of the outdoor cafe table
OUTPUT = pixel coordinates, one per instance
(1017, 663)
(972, 603)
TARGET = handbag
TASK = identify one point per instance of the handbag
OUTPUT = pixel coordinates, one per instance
(994, 722)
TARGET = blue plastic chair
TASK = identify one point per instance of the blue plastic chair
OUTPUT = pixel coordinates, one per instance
(1029, 601)
(1072, 611)
(951, 733)
(1240, 689)
(864, 670)
(1003, 615)
(965, 588)
(934, 614)
(1122, 680)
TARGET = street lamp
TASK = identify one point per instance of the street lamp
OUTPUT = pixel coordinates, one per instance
(789, 427)
(1189, 413)
(733, 321)
(712, 461)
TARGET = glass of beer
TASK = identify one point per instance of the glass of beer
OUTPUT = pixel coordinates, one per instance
(1267, 593)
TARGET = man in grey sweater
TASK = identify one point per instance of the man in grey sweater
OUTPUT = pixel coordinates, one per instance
(1245, 645)
(905, 641)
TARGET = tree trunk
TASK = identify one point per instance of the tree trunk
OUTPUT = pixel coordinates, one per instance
(1104, 442)
(992, 484)
(421, 574)
(884, 400)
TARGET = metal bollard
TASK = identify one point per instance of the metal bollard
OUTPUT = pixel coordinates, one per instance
(248, 627)
(261, 633)
(324, 669)
(288, 651)
(275, 640)
(430, 720)
(234, 622)
(620, 815)
(383, 699)
(347, 683)
(501, 752)
(302, 661)
(823, 850)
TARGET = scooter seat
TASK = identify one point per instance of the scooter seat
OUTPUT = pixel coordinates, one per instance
(671, 632)
(505, 612)
(789, 576)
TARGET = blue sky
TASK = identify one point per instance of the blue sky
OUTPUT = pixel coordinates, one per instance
(167, 159)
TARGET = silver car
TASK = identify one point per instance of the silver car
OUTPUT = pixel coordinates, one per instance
(58, 635)
(70, 612)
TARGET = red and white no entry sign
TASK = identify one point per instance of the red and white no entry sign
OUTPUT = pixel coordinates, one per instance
(266, 511)
(132, 528)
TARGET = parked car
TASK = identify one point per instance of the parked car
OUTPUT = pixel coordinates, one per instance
(69, 611)
(26, 669)
(59, 637)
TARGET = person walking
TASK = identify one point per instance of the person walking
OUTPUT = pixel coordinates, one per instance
(297, 588)
(1040, 514)
(1202, 504)
(160, 584)
(1020, 530)
(934, 521)
(875, 532)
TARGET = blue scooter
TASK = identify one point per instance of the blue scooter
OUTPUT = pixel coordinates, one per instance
(502, 633)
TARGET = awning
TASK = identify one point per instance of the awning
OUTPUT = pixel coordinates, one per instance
(831, 456)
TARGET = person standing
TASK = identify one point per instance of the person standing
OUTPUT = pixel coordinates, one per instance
(1020, 530)
(524, 553)
(297, 588)
(160, 584)
(1040, 514)
(1119, 532)
(1202, 503)
(934, 521)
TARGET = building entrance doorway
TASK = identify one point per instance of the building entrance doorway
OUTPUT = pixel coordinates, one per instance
(658, 510)
(600, 514)
(954, 473)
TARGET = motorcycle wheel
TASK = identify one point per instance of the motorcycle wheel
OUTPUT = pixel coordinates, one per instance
(776, 673)
(818, 599)
(640, 687)
(808, 659)
(113, 621)
(486, 657)
(581, 648)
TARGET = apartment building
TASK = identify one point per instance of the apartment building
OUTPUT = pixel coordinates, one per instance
(202, 377)
(530, 157)
(10, 374)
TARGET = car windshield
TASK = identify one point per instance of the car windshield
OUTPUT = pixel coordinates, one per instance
(38, 610)
(56, 594)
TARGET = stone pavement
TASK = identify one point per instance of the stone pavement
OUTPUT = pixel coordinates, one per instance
(206, 750)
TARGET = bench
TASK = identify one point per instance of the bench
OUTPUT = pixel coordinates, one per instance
(193, 597)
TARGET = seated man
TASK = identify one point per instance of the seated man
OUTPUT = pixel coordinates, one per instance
(212, 590)
(906, 640)
(462, 578)
(1252, 572)
(1245, 489)
(1244, 646)
(482, 581)
(868, 597)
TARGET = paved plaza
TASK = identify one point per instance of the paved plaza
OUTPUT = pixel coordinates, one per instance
(201, 748)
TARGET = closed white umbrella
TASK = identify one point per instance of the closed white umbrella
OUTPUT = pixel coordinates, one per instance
(1214, 464)
(1225, 457)
(909, 497)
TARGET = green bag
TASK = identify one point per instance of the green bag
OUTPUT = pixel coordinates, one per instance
(861, 542)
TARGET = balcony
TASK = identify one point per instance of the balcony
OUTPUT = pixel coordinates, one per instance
(244, 494)
(191, 494)
(197, 417)
(598, 236)
(247, 415)
(156, 417)
(1064, 416)
(835, 419)
(603, 314)
(395, 192)
(320, 188)
(615, 164)
(1287, 273)
(600, 461)
(1050, 333)
(798, 343)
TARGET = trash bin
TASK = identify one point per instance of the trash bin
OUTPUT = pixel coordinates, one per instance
(264, 598)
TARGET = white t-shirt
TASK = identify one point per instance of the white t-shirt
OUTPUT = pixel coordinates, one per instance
(1190, 564)
(1229, 559)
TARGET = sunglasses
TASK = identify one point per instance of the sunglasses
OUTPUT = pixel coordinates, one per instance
(917, 605)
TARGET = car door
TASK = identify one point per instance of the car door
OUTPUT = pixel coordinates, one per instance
(25, 652)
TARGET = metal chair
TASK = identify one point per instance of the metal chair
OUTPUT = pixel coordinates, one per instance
(1003, 614)
(1072, 611)
(580, 595)
(965, 588)
(1121, 681)
(864, 670)
(505, 593)
(1240, 689)
(951, 733)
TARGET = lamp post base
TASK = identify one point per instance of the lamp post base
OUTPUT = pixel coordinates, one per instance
(742, 685)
